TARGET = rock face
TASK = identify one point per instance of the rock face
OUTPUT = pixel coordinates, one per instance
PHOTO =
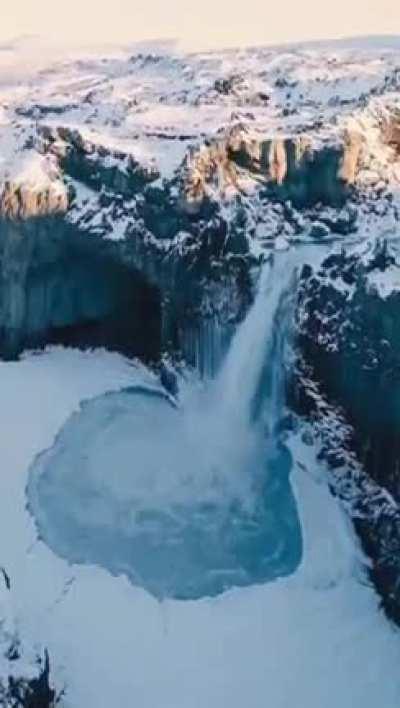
(350, 331)
(391, 130)
(97, 247)
(57, 285)
(36, 189)
(94, 164)
(291, 168)
(23, 202)
(349, 334)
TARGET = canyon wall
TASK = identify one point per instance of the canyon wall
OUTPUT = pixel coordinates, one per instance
(348, 338)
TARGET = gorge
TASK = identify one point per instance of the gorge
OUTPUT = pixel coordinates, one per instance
(199, 283)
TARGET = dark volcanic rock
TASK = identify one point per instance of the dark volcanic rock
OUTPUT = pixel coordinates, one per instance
(33, 693)
(61, 284)
(26, 680)
(349, 336)
(58, 286)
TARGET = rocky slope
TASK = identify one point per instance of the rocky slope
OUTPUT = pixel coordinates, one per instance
(350, 331)
(348, 336)
(24, 675)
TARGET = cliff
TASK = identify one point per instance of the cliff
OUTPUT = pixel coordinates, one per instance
(295, 169)
(348, 336)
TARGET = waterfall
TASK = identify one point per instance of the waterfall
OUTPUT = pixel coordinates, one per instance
(187, 500)
(239, 379)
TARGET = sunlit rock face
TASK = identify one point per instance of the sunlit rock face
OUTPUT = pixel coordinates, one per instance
(391, 130)
(22, 201)
(294, 168)
(36, 189)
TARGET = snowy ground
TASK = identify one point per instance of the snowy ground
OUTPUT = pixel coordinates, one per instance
(315, 640)
(156, 103)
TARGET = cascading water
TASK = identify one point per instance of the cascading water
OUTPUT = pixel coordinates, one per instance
(239, 379)
(185, 500)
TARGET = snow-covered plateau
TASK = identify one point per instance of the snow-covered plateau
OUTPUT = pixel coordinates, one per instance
(199, 377)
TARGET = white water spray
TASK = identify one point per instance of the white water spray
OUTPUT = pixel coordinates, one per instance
(240, 376)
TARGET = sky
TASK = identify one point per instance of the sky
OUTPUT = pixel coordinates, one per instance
(204, 23)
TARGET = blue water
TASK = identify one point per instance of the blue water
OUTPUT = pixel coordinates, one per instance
(128, 485)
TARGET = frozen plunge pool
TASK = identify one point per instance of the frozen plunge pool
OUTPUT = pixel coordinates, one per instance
(172, 497)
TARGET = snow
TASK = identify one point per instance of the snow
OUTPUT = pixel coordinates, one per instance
(157, 101)
(314, 639)
(385, 282)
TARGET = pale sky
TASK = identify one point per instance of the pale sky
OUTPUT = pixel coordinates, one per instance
(200, 22)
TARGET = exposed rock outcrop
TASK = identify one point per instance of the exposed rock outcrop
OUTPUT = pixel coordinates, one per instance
(391, 130)
(96, 164)
(292, 168)
(36, 189)
(25, 680)
(22, 202)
